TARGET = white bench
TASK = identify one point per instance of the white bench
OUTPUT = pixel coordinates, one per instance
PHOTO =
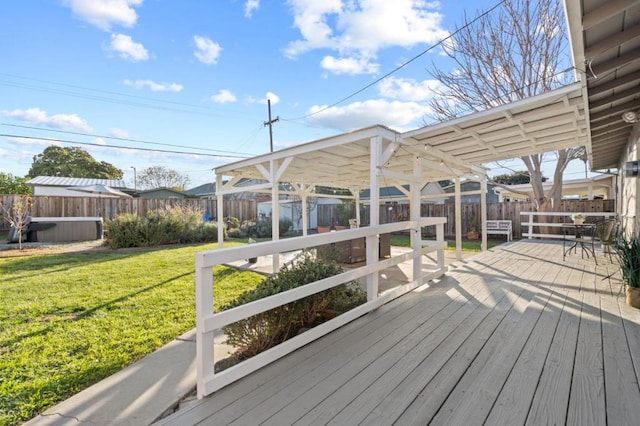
(499, 227)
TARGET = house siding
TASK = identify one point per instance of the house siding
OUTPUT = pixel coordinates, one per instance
(629, 187)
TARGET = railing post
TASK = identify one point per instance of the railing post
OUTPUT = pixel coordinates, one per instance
(204, 340)
(530, 225)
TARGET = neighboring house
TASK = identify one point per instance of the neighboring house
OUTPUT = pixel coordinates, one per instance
(54, 186)
(602, 186)
(292, 210)
(205, 191)
(161, 193)
(469, 186)
(391, 194)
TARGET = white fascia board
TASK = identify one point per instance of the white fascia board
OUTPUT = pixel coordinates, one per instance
(304, 148)
(499, 111)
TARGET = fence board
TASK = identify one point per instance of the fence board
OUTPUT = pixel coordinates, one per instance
(495, 211)
(109, 208)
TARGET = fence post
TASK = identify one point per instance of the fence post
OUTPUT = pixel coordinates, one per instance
(530, 226)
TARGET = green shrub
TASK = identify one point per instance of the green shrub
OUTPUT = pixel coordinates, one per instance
(260, 332)
(236, 233)
(205, 232)
(158, 227)
(262, 228)
(232, 222)
(284, 225)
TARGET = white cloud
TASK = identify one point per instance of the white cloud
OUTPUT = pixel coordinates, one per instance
(118, 133)
(57, 121)
(349, 65)
(395, 114)
(127, 48)
(154, 86)
(207, 51)
(105, 13)
(407, 89)
(360, 28)
(275, 99)
(224, 96)
(250, 6)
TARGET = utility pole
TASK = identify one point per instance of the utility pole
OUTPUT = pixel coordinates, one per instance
(135, 179)
(270, 124)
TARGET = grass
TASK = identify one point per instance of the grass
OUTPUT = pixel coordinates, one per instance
(405, 241)
(68, 321)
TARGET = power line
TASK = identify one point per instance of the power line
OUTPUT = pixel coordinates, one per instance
(115, 100)
(399, 67)
(123, 139)
(120, 147)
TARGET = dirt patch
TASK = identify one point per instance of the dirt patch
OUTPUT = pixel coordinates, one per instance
(38, 249)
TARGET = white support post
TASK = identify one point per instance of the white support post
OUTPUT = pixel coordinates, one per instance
(483, 207)
(305, 216)
(530, 226)
(416, 233)
(356, 196)
(219, 210)
(372, 241)
(439, 240)
(275, 211)
(204, 341)
(458, 214)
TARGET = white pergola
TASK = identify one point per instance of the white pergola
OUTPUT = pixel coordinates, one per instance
(369, 158)
(378, 156)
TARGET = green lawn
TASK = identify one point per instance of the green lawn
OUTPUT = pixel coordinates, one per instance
(70, 320)
(404, 241)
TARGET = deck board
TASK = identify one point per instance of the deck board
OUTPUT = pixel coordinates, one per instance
(514, 335)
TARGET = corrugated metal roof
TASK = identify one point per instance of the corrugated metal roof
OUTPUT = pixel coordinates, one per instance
(68, 181)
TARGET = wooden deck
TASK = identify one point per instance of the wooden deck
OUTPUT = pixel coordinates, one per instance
(512, 336)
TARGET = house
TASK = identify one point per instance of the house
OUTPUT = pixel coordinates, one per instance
(204, 191)
(470, 192)
(602, 186)
(55, 186)
(431, 193)
(605, 49)
(161, 193)
(292, 210)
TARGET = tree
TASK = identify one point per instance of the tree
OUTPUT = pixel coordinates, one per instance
(515, 178)
(71, 162)
(10, 184)
(18, 215)
(162, 177)
(510, 54)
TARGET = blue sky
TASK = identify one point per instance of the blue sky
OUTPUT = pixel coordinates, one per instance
(195, 75)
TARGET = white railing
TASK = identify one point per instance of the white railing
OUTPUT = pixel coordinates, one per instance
(207, 322)
(528, 223)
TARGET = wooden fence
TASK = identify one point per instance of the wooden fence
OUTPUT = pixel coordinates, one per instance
(109, 208)
(471, 213)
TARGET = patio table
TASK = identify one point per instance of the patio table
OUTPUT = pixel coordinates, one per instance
(578, 235)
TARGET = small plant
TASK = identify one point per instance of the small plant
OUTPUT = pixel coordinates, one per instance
(578, 218)
(628, 251)
(265, 330)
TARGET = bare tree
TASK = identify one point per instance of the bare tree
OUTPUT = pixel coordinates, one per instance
(18, 215)
(513, 53)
